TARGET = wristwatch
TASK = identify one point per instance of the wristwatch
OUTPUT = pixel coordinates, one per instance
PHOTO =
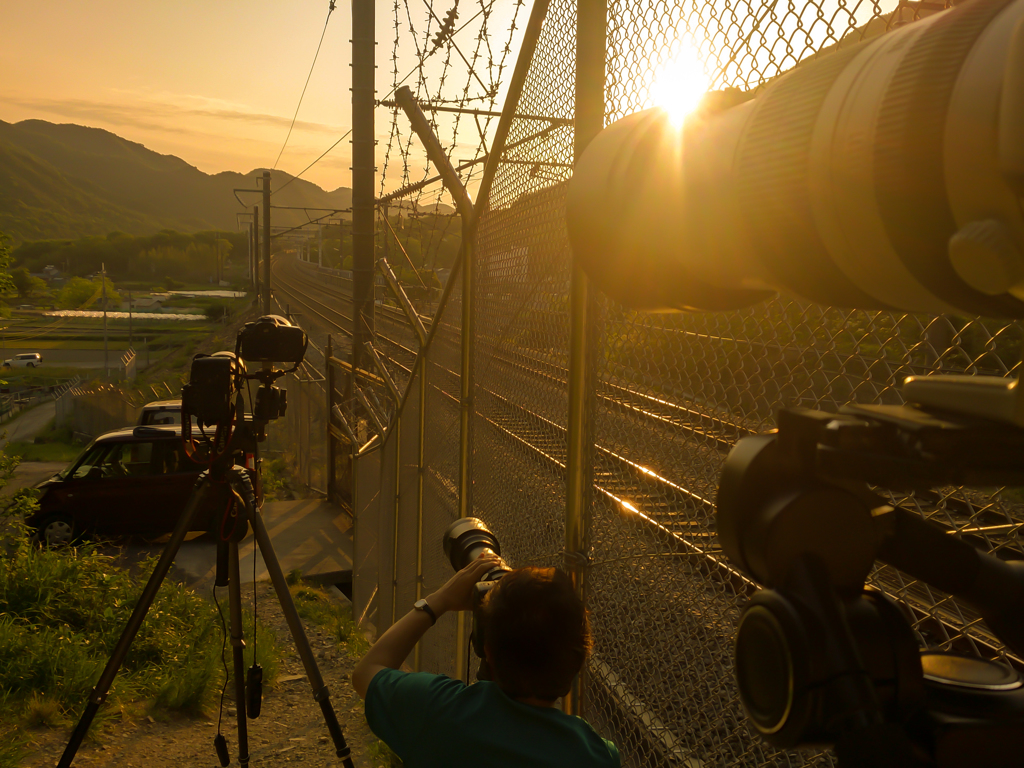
(423, 605)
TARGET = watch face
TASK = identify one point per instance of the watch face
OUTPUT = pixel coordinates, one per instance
(423, 605)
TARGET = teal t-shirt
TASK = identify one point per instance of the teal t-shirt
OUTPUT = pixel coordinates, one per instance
(433, 721)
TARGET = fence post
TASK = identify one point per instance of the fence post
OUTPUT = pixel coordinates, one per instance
(422, 429)
(329, 385)
(363, 150)
(591, 20)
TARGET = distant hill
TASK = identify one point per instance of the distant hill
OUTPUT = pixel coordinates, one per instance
(70, 181)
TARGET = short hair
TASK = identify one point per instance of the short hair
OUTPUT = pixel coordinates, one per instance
(536, 629)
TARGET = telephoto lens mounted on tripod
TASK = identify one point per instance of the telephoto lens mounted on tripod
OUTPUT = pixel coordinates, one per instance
(886, 174)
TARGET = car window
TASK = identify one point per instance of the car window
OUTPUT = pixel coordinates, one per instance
(137, 459)
(156, 418)
(171, 458)
(91, 459)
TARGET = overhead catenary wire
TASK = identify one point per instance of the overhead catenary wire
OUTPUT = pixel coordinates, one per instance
(322, 156)
(302, 95)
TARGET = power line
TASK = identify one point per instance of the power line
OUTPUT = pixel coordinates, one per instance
(303, 94)
(299, 174)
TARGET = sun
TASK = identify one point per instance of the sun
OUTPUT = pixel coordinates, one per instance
(680, 82)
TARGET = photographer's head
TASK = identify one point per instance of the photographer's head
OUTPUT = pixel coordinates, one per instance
(537, 633)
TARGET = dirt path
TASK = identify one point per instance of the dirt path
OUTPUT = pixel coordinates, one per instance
(289, 731)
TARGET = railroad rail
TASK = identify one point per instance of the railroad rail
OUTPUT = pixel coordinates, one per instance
(680, 515)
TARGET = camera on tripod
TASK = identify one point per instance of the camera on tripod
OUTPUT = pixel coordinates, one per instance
(215, 381)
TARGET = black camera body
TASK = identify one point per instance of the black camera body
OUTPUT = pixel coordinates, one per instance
(271, 339)
(213, 393)
(821, 658)
(214, 380)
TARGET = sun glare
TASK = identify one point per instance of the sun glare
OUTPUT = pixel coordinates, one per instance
(680, 82)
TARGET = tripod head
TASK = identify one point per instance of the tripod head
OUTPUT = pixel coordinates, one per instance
(214, 392)
(823, 658)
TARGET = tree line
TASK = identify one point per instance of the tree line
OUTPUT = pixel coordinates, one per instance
(197, 257)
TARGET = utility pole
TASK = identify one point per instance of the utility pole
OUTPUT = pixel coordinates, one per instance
(103, 287)
(255, 266)
(266, 242)
(363, 146)
(320, 251)
(130, 345)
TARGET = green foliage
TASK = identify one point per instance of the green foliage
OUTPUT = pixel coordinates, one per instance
(55, 640)
(64, 611)
(276, 485)
(80, 293)
(77, 292)
(6, 282)
(168, 257)
(217, 310)
(315, 606)
(26, 284)
(52, 444)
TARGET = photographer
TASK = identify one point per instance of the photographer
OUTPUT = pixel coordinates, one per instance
(536, 643)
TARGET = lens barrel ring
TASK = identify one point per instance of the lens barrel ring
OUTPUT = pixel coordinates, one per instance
(772, 668)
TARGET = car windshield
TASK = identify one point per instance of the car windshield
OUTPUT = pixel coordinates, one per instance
(90, 458)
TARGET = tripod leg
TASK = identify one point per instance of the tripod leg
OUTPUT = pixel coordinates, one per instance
(238, 651)
(99, 692)
(320, 693)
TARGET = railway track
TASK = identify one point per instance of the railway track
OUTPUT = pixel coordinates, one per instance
(681, 516)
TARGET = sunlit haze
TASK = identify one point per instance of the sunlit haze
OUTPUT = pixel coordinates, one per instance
(215, 83)
(681, 82)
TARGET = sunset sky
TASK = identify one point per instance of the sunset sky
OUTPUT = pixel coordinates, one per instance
(214, 82)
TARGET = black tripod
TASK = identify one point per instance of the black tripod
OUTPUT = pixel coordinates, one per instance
(232, 480)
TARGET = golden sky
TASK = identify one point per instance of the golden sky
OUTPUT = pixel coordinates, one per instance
(215, 82)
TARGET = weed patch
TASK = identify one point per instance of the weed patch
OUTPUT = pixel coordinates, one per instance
(63, 614)
(317, 607)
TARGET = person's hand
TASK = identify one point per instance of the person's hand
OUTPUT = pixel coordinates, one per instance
(457, 594)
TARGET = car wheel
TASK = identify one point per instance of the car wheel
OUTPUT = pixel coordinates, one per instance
(31, 365)
(57, 530)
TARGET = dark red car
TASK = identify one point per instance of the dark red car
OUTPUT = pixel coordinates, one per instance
(132, 481)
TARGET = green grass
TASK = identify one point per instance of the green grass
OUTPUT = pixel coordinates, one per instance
(63, 613)
(316, 606)
(43, 375)
(277, 480)
(51, 452)
(55, 444)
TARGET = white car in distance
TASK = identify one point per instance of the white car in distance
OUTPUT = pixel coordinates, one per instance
(26, 360)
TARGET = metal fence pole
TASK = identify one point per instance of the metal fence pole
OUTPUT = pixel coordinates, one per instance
(254, 266)
(329, 480)
(591, 20)
(266, 242)
(422, 427)
(363, 144)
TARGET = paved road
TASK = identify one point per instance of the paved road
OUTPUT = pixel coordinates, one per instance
(29, 424)
(75, 358)
(308, 535)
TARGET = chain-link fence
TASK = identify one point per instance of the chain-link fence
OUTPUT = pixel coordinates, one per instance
(672, 394)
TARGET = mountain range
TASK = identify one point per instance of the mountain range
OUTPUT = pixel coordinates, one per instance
(62, 181)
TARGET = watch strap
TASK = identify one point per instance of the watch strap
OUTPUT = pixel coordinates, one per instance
(423, 605)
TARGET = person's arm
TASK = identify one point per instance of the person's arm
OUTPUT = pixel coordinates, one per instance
(392, 648)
